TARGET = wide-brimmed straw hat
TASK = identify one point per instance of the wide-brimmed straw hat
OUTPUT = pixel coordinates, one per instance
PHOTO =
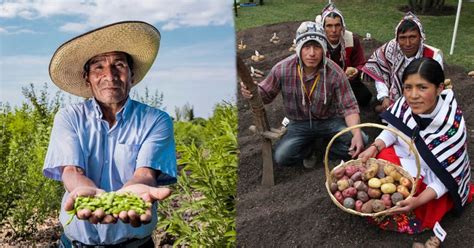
(139, 39)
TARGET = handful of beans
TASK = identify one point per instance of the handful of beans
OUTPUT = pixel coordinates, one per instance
(110, 203)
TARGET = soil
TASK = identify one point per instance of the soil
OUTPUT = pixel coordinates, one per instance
(444, 10)
(297, 211)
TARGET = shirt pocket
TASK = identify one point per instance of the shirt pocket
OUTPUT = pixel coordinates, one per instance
(125, 159)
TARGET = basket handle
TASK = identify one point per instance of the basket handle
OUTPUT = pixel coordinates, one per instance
(396, 132)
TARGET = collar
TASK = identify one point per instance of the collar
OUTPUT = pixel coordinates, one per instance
(435, 111)
(123, 113)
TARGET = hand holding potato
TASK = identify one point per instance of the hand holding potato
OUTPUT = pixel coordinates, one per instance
(351, 72)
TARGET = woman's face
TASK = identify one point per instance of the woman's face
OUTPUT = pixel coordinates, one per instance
(420, 94)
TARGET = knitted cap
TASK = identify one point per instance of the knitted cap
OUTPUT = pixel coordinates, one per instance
(331, 8)
(310, 31)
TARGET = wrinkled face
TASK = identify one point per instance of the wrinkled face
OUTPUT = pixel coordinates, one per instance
(333, 29)
(311, 54)
(109, 77)
(409, 42)
(420, 94)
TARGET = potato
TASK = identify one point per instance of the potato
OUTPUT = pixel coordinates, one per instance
(367, 207)
(333, 187)
(362, 196)
(405, 182)
(396, 175)
(338, 172)
(396, 197)
(349, 192)
(349, 203)
(378, 206)
(339, 197)
(387, 179)
(360, 186)
(358, 205)
(371, 171)
(342, 184)
(351, 182)
(403, 190)
(388, 168)
(380, 172)
(374, 193)
(356, 176)
(374, 183)
(350, 170)
(388, 188)
(386, 200)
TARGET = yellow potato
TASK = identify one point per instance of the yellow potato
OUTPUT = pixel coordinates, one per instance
(388, 188)
(374, 183)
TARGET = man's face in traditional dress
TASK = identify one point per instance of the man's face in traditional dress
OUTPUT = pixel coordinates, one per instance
(420, 94)
(333, 29)
(409, 42)
(110, 77)
(311, 54)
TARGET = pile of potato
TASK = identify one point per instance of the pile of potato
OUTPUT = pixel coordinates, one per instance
(369, 188)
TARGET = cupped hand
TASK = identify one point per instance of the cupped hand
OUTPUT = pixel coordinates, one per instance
(148, 194)
(84, 214)
(404, 206)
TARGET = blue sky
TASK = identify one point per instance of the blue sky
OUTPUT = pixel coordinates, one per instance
(195, 64)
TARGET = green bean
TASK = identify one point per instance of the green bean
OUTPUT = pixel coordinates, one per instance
(110, 203)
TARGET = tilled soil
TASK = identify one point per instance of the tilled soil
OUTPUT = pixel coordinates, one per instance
(297, 211)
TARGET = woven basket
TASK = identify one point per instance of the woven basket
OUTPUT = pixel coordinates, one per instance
(358, 162)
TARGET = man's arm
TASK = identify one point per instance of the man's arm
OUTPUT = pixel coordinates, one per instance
(357, 143)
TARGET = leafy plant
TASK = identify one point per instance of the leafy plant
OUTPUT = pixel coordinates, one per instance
(27, 196)
(206, 189)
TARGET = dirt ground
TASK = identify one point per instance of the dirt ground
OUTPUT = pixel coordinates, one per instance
(297, 211)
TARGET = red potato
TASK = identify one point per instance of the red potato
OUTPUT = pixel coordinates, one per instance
(358, 205)
(350, 170)
(356, 176)
(386, 198)
(349, 192)
(374, 193)
(339, 197)
(339, 172)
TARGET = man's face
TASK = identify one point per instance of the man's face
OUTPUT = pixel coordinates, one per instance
(110, 77)
(409, 42)
(333, 29)
(311, 54)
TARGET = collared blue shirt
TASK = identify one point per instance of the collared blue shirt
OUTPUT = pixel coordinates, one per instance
(142, 136)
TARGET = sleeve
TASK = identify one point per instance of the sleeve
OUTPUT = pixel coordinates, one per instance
(432, 181)
(64, 146)
(270, 86)
(387, 137)
(357, 56)
(158, 150)
(382, 90)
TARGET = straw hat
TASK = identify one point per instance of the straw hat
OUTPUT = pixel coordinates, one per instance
(139, 39)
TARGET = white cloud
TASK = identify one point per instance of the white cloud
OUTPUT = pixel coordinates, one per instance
(169, 13)
(10, 30)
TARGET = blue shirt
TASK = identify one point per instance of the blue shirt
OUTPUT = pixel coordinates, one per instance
(142, 136)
